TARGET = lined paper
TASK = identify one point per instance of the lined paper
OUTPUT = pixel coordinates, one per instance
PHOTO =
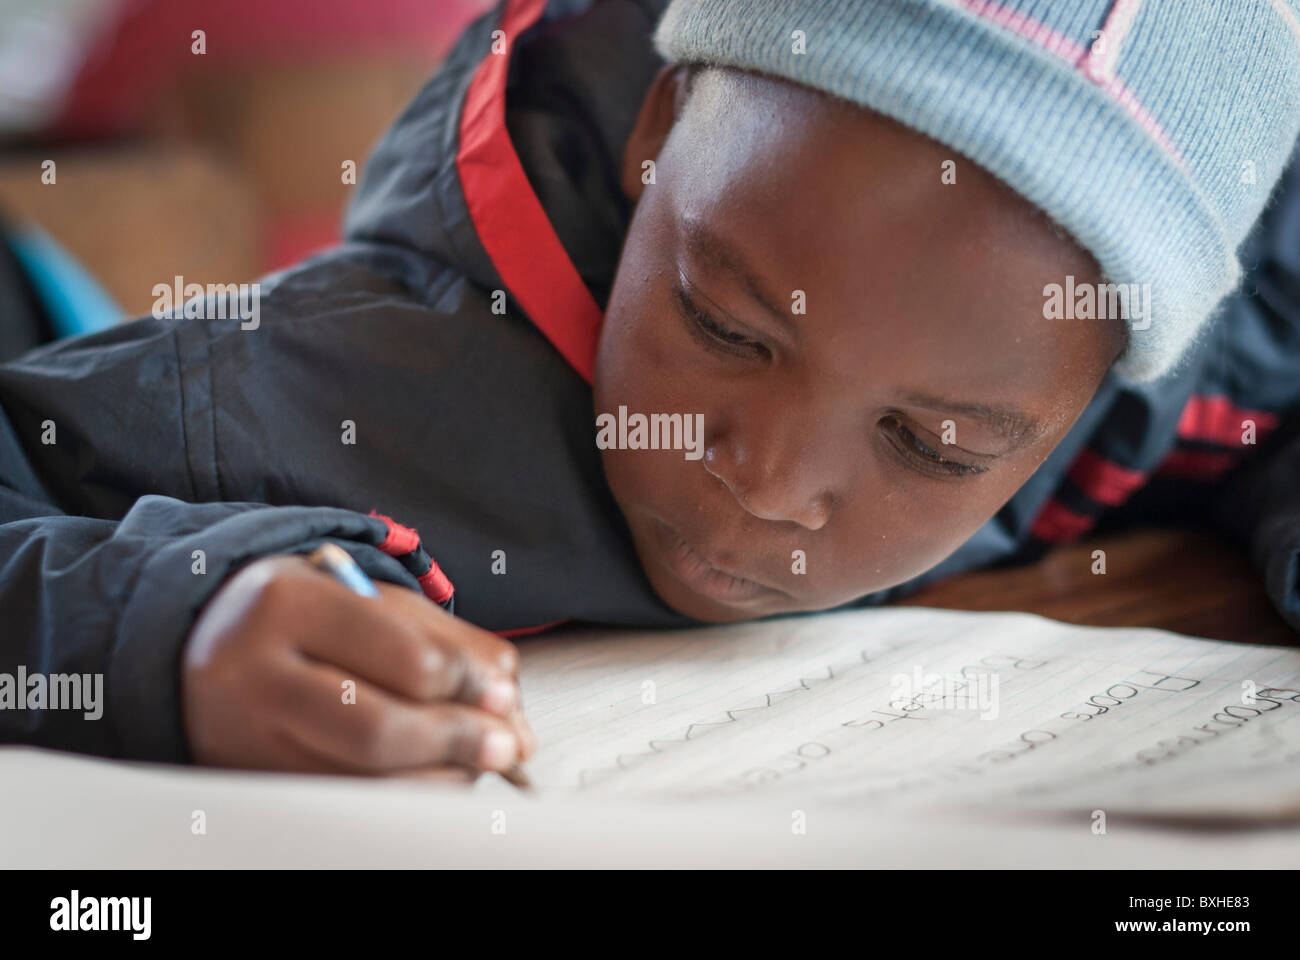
(913, 708)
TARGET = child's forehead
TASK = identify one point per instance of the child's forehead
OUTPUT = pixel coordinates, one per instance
(850, 201)
(740, 126)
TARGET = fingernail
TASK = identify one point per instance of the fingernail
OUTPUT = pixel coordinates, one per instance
(499, 750)
(499, 696)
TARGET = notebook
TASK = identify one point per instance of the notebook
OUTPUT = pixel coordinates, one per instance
(913, 707)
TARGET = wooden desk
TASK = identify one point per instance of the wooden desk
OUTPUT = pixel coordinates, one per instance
(1180, 580)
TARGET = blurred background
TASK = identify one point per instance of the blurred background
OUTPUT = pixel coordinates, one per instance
(216, 155)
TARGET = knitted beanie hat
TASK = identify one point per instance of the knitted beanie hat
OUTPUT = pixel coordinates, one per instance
(1152, 130)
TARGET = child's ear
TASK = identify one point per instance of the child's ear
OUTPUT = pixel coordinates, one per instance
(660, 108)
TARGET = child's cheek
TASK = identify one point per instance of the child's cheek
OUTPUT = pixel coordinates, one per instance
(641, 361)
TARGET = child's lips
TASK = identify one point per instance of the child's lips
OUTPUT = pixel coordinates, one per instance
(693, 568)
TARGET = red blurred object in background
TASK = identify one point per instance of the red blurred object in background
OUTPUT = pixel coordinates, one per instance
(147, 44)
(283, 91)
(221, 166)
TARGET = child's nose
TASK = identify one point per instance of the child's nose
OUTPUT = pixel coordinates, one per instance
(773, 472)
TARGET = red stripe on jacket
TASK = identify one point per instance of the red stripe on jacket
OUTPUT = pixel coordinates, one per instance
(1104, 481)
(435, 584)
(1100, 480)
(1206, 418)
(1058, 523)
(526, 631)
(509, 218)
(1198, 464)
(402, 540)
(1215, 419)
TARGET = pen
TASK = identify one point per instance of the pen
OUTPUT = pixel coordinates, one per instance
(339, 564)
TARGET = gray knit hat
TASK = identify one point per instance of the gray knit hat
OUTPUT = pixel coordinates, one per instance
(1152, 130)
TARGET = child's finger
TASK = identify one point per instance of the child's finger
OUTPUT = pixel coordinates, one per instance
(370, 731)
(389, 643)
(496, 653)
(480, 667)
(527, 739)
(364, 636)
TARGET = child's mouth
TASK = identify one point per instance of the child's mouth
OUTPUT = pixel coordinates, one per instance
(689, 566)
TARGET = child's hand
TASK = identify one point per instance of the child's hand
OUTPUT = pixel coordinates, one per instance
(287, 669)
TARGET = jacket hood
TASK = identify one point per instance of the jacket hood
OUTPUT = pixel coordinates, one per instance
(506, 165)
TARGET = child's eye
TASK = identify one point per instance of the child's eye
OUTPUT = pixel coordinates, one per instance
(712, 333)
(926, 457)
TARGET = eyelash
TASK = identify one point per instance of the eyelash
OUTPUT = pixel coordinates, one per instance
(718, 337)
(714, 334)
(929, 459)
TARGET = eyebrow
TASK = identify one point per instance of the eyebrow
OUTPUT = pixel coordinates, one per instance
(705, 244)
(1013, 425)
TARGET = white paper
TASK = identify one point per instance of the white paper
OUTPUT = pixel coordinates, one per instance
(852, 708)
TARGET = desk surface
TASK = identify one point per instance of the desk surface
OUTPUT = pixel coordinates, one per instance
(144, 816)
(1180, 580)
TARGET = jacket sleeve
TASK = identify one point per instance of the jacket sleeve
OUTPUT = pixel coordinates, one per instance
(1237, 454)
(104, 564)
(1258, 501)
(1259, 505)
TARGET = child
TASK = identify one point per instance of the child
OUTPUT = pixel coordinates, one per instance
(874, 293)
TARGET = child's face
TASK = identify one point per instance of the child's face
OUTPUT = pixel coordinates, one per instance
(924, 302)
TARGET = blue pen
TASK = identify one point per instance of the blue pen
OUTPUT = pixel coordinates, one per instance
(336, 561)
(339, 564)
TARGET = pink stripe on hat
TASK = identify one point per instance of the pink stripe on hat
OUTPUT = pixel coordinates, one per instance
(1100, 65)
(1096, 63)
